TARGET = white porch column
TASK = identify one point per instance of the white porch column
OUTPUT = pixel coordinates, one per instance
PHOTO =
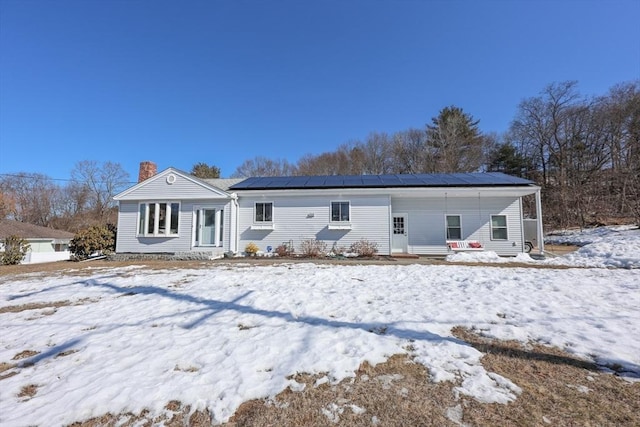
(539, 218)
(216, 233)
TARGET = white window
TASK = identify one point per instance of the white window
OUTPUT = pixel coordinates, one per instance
(263, 212)
(499, 227)
(158, 219)
(454, 227)
(340, 212)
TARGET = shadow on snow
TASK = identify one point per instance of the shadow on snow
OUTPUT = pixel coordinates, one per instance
(211, 307)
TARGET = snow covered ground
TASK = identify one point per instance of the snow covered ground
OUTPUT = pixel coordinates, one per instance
(213, 338)
(617, 247)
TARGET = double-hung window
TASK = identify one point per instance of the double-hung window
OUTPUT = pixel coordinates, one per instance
(158, 219)
(263, 212)
(340, 212)
(454, 227)
(499, 227)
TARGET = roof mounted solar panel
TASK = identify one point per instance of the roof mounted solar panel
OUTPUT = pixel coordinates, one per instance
(381, 181)
(410, 180)
(351, 181)
(333, 180)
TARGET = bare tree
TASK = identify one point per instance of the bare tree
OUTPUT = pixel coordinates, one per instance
(29, 197)
(262, 166)
(73, 211)
(410, 154)
(348, 159)
(330, 163)
(7, 204)
(377, 151)
(581, 147)
(103, 181)
(619, 110)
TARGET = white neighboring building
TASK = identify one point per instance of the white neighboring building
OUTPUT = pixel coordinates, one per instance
(174, 212)
(46, 244)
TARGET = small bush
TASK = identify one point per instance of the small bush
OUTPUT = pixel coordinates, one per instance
(313, 248)
(96, 239)
(283, 250)
(338, 250)
(15, 248)
(364, 248)
(251, 249)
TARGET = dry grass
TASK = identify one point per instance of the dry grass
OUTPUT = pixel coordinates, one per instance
(4, 366)
(557, 389)
(28, 391)
(180, 416)
(33, 306)
(25, 354)
(395, 393)
(88, 268)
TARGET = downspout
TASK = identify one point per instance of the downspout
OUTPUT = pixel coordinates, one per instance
(137, 224)
(539, 218)
(522, 237)
(233, 228)
(390, 227)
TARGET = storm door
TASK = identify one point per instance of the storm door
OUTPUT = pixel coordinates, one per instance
(208, 227)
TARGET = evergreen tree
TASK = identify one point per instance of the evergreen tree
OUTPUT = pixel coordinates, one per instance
(454, 141)
(204, 171)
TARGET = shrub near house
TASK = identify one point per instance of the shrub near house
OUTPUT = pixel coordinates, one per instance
(95, 239)
(15, 248)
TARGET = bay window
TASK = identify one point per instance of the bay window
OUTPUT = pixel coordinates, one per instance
(158, 219)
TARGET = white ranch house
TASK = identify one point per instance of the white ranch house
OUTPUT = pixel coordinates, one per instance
(174, 212)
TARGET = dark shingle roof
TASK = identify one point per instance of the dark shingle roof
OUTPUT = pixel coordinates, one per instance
(30, 231)
(223, 183)
(489, 179)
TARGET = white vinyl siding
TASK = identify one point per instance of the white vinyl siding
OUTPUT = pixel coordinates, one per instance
(130, 242)
(427, 221)
(157, 188)
(297, 218)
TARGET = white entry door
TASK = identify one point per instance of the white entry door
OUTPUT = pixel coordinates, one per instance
(208, 223)
(399, 237)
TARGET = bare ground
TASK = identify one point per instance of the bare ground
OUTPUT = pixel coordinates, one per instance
(89, 267)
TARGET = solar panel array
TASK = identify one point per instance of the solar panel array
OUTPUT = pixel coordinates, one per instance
(488, 179)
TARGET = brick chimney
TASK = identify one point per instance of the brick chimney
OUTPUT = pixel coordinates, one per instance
(147, 170)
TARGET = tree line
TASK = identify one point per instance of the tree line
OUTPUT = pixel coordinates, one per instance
(584, 152)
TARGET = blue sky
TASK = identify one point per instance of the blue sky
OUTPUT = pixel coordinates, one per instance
(220, 82)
